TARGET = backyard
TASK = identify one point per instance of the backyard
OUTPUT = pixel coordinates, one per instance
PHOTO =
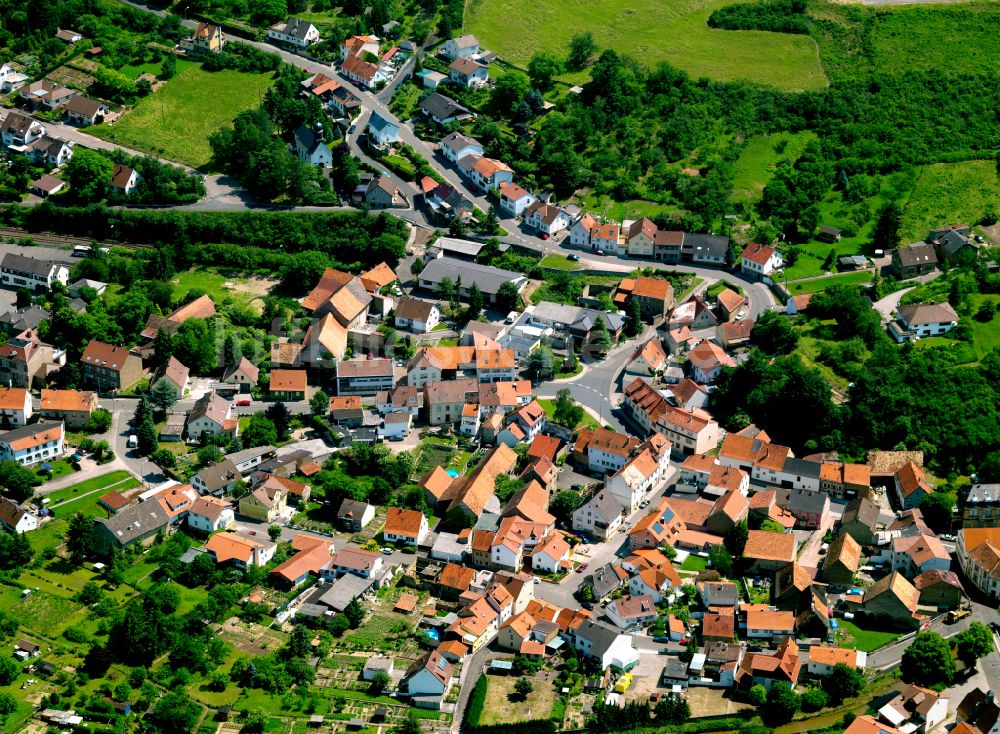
(868, 640)
(504, 706)
(176, 121)
(675, 32)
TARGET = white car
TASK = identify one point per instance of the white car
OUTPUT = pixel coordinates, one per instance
(741, 315)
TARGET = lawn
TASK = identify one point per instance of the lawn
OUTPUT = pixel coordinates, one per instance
(818, 284)
(88, 485)
(133, 71)
(175, 121)
(503, 706)
(222, 285)
(549, 406)
(985, 336)
(851, 635)
(694, 563)
(949, 193)
(759, 160)
(632, 209)
(377, 632)
(60, 468)
(559, 262)
(650, 31)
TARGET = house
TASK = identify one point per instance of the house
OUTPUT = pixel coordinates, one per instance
(607, 451)
(845, 481)
(717, 627)
(124, 179)
(734, 334)
(456, 146)
(445, 401)
(474, 493)
(915, 710)
(395, 426)
(572, 324)
(978, 713)
(843, 558)
(19, 271)
(210, 514)
(600, 517)
(136, 524)
(720, 594)
(212, 415)
(382, 193)
(344, 296)
(551, 555)
(288, 385)
(769, 552)
(642, 473)
(416, 316)
(631, 612)
(914, 260)
(655, 581)
(648, 359)
(640, 236)
(359, 46)
(689, 431)
(981, 508)
(911, 485)
(346, 410)
(294, 32)
(954, 243)
(15, 519)
(46, 186)
(822, 659)
(357, 562)
(240, 551)
(657, 529)
(68, 36)
(916, 554)
(811, 509)
(488, 279)
(362, 71)
(176, 374)
(265, 503)
(921, 320)
(515, 200)
(44, 94)
(730, 303)
(892, 599)
(655, 296)
(766, 668)
(462, 47)
(605, 237)
(603, 645)
(546, 218)
(402, 399)
(487, 173)
(313, 556)
(496, 365)
(579, 233)
(243, 374)
(405, 526)
(861, 520)
(706, 361)
(15, 406)
(760, 261)
(11, 79)
(467, 72)
(978, 552)
(20, 129)
(768, 624)
(443, 110)
(217, 479)
(354, 515)
(72, 407)
(109, 368)
(428, 680)
(85, 111)
(382, 131)
(375, 665)
(939, 589)
(310, 148)
(207, 38)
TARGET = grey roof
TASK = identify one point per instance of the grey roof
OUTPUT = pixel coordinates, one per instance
(295, 28)
(489, 279)
(806, 500)
(675, 668)
(601, 636)
(951, 241)
(604, 580)
(862, 510)
(354, 508)
(27, 318)
(456, 141)
(983, 493)
(344, 590)
(706, 244)
(135, 521)
(464, 247)
(308, 139)
(577, 317)
(238, 457)
(605, 505)
(13, 261)
(218, 476)
(721, 594)
(919, 314)
(802, 468)
(441, 107)
(379, 123)
(918, 253)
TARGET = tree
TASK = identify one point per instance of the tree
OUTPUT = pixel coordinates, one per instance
(274, 532)
(380, 681)
(8, 704)
(523, 687)
(842, 683)
(81, 540)
(176, 713)
(563, 504)
(757, 695)
(581, 50)
(673, 709)
(446, 289)
(974, 643)
(355, 613)
(781, 705)
(260, 432)
(937, 511)
(475, 302)
(122, 692)
(409, 725)
(987, 310)
(99, 422)
(319, 403)
(508, 92)
(146, 437)
(601, 339)
(89, 173)
(634, 324)
(280, 416)
(736, 539)
(163, 458)
(541, 363)
(542, 67)
(720, 559)
(567, 412)
(169, 67)
(814, 699)
(254, 720)
(885, 235)
(9, 670)
(774, 334)
(163, 395)
(927, 661)
(339, 625)
(508, 297)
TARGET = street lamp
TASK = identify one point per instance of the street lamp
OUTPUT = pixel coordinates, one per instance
(186, 8)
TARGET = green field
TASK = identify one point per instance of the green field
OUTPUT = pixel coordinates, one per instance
(549, 406)
(175, 121)
(133, 71)
(819, 284)
(759, 159)
(950, 193)
(222, 285)
(558, 262)
(864, 639)
(650, 32)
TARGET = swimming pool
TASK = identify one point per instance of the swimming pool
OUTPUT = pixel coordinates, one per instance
(451, 472)
(432, 634)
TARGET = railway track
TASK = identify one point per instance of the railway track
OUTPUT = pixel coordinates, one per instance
(50, 239)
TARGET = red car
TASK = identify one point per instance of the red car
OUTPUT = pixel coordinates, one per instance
(243, 403)
(582, 567)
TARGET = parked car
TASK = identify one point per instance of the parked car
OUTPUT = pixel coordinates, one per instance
(582, 567)
(573, 258)
(543, 236)
(387, 551)
(601, 253)
(661, 638)
(243, 403)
